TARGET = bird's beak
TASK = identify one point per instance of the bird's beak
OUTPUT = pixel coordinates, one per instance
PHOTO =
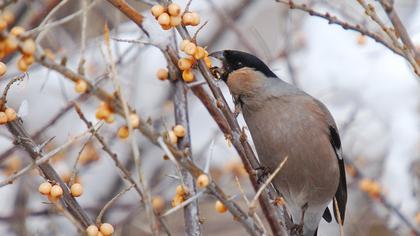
(220, 73)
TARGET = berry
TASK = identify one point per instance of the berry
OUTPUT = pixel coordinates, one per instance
(179, 131)
(56, 191)
(157, 10)
(76, 190)
(106, 229)
(203, 181)
(162, 74)
(45, 188)
(220, 207)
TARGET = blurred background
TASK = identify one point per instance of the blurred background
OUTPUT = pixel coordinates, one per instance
(372, 93)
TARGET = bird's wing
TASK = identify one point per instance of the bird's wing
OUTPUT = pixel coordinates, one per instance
(341, 194)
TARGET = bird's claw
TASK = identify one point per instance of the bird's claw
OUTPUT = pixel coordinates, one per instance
(262, 173)
(296, 230)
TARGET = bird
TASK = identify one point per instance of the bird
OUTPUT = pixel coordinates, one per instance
(284, 121)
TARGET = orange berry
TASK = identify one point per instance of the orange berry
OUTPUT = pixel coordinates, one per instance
(8, 16)
(157, 10)
(11, 114)
(418, 218)
(45, 188)
(181, 190)
(106, 229)
(183, 43)
(28, 47)
(185, 63)
(22, 66)
(123, 132)
(175, 21)
(3, 24)
(164, 19)
(102, 114)
(203, 181)
(162, 74)
(92, 230)
(190, 48)
(188, 76)
(3, 68)
(56, 191)
(76, 190)
(52, 199)
(375, 189)
(174, 9)
(29, 59)
(220, 207)
(11, 43)
(173, 139)
(158, 204)
(361, 40)
(134, 120)
(179, 131)
(199, 53)
(208, 62)
(81, 86)
(3, 118)
(187, 18)
(279, 201)
(195, 19)
(177, 200)
(17, 30)
(166, 27)
(110, 119)
(105, 105)
(365, 184)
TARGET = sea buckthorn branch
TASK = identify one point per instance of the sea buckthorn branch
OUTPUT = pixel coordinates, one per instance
(405, 50)
(345, 25)
(251, 227)
(23, 139)
(101, 94)
(191, 211)
(408, 50)
(125, 173)
(400, 29)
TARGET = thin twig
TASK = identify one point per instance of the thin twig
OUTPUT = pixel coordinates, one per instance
(109, 204)
(183, 204)
(132, 137)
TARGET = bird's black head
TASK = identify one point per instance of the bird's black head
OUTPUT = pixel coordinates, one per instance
(233, 60)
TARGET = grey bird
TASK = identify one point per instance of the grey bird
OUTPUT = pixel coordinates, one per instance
(285, 121)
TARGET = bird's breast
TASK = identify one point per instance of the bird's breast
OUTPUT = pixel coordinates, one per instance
(290, 127)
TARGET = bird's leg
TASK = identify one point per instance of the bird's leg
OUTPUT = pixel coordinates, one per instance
(297, 229)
